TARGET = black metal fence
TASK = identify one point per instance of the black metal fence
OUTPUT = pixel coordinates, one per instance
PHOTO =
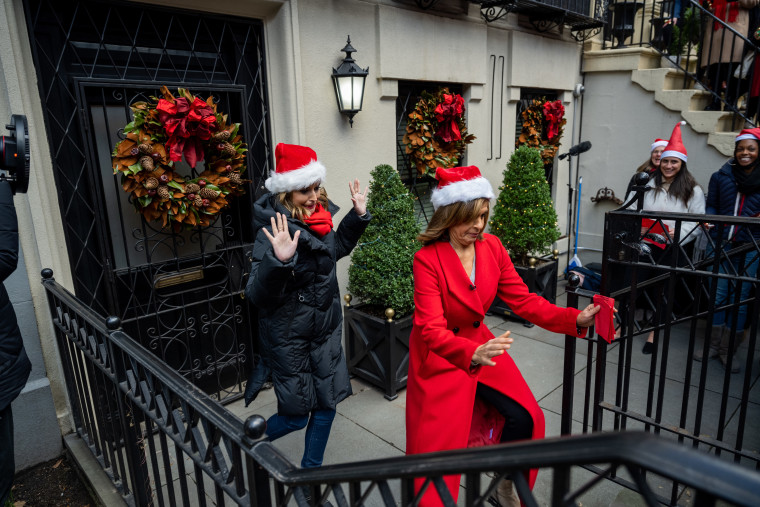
(671, 286)
(163, 441)
(715, 49)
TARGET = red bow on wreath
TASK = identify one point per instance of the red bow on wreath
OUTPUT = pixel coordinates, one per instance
(447, 113)
(187, 124)
(553, 113)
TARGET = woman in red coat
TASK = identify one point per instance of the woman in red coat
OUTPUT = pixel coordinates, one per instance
(453, 356)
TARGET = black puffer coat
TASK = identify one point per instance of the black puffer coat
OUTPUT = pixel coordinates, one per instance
(14, 365)
(300, 317)
(721, 200)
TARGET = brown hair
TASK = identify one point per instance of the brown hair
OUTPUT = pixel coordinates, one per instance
(452, 215)
(645, 166)
(299, 212)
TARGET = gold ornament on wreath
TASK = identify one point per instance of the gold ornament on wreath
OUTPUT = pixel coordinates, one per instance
(436, 131)
(165, 131)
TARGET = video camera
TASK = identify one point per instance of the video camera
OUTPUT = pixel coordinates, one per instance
(14, 154)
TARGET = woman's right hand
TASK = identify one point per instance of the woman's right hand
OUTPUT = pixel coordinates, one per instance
(492, 348)
(284, 247)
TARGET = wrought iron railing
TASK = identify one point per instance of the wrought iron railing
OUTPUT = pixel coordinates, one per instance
(701, 404)
(711, 53)
(163, 441)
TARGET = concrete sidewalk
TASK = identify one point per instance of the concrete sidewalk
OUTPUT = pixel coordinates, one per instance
(368, 426)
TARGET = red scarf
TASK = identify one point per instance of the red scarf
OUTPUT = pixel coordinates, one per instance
(719, 9)
(320, 220)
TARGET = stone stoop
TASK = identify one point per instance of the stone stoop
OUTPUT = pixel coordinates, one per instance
(654, 74)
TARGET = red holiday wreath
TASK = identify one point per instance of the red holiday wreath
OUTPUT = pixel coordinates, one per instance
(165, 131)
(436, 131)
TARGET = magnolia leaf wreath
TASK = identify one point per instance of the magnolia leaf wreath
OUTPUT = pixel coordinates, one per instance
(165, 131)
(543, 121)
(436, 132)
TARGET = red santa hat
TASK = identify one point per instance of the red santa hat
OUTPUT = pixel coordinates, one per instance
(675, 147)
(749, 134)
(460, 184)
(657, 143)
(297, 167)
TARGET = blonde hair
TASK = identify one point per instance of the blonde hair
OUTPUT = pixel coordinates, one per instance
(299, 212)
(452, 215)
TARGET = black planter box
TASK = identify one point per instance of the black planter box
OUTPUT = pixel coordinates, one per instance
(541, 280)
(377, 350)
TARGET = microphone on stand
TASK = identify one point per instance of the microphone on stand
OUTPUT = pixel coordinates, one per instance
(577, 150)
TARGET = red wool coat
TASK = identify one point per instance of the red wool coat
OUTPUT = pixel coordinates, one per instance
(448, 327)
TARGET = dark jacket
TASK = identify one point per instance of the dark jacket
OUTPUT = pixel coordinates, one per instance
(14, 365)
(300, 317)
(721, 199)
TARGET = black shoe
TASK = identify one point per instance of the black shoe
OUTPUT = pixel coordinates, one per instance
(304, 492)
(648, 348)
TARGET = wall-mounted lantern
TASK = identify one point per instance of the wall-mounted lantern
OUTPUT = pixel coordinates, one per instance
(349, 80)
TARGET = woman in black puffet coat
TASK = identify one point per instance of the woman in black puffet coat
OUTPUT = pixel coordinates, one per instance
(293, 283)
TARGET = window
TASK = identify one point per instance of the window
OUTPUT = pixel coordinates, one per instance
(421, 187)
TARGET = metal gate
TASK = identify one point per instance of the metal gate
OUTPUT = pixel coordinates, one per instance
(177, 293)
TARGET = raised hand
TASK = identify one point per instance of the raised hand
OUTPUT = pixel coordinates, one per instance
(359, 199)
(284, 247)
(492, 348)
(586, 317)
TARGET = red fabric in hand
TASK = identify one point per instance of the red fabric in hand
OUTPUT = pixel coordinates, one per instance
(604, 321)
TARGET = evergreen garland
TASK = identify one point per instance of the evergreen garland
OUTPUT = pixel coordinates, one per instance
(524, 218)
(381, 264)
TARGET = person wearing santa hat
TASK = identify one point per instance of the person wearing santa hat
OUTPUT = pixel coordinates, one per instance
(458, 370)
(293, 284)
(650, 164)
(734, 190)
(671, 188)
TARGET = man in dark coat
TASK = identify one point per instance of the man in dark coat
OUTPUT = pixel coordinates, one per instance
(14, 365)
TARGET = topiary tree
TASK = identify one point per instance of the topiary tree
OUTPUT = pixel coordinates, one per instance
(524, 218)
(381, 264)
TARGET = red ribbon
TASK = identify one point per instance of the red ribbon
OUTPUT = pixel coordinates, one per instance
(187, 125)
(553, 113)
(447, 113)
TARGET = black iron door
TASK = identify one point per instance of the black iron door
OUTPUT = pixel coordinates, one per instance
(177, 293)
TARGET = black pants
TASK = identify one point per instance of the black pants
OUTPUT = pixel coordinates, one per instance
(518, 424)
(7, 463)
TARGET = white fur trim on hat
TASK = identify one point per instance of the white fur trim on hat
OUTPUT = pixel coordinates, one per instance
(657, 144)
(462, 191)
(673, 153)
(746, 136)
(296, 179)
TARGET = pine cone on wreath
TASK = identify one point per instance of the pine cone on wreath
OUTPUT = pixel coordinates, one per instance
(235, 178)
(163, 192)
(221, 136)
(147, 162)
(207, 193)
(145, 149)
(151, 183)
(228, 151)
(198, 202)
(192, 188)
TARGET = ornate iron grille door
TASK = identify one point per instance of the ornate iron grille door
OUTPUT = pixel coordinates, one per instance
(177, 293)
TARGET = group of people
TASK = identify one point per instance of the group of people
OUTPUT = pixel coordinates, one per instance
(459, 372)
(733, 190)
(729, 38)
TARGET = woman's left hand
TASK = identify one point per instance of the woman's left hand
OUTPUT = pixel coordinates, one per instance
(359, 199)
(586, 317)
